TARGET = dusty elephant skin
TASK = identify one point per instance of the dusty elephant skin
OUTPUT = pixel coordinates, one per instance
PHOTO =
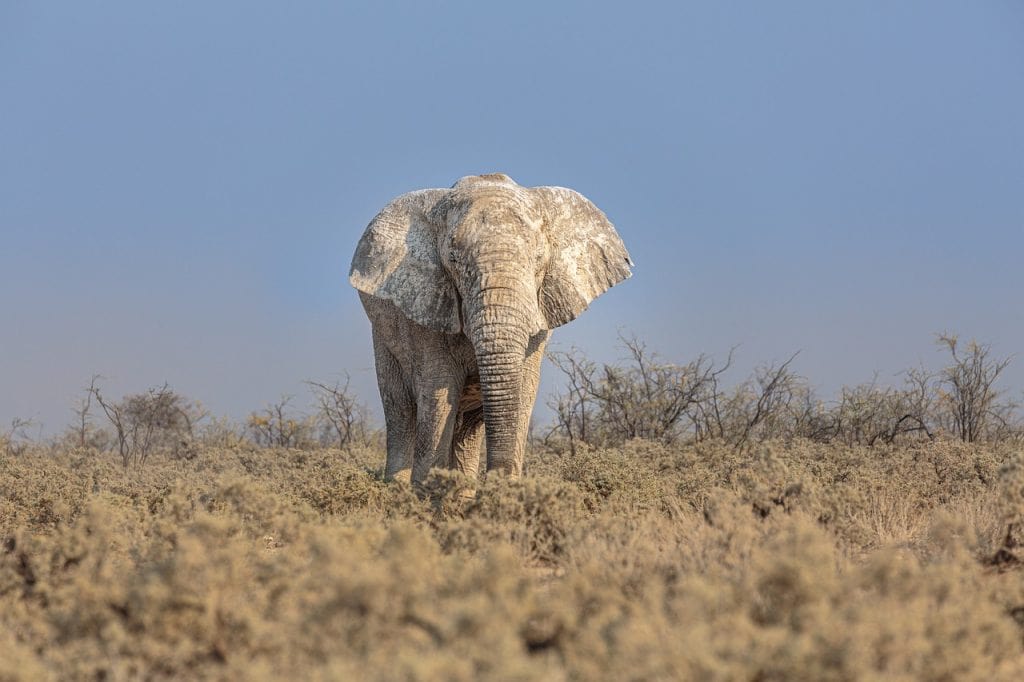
(462, 286)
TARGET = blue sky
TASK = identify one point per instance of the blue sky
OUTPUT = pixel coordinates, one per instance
(182, 184)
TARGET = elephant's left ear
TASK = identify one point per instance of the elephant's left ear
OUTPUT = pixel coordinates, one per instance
(587, 255)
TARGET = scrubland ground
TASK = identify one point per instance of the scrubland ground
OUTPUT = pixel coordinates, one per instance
(793, 561)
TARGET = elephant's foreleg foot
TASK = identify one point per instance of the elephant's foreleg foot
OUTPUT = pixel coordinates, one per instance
(399, 416)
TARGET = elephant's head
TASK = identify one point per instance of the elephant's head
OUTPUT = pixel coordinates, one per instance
(497, 262)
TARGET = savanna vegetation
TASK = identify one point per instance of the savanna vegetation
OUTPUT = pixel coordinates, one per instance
(667, 528)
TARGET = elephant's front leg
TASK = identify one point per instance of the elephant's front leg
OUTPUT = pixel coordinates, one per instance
(399, 412)
(436, 405)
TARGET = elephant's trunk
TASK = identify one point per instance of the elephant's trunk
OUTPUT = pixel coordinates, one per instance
(500, 335)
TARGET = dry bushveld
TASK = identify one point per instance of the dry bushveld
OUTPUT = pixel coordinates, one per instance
(785, 561)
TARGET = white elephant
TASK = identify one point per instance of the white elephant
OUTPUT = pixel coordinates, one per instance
(462, 286)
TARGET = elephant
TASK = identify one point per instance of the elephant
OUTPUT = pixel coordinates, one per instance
(462, 287)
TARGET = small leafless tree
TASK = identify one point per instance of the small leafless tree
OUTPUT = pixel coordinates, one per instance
(82, 415)
(574, 409)
(642, 397)
(861, 414)
(274, 426)
(646, 397)
(341, 416)
(810, 417)
(708, 415)
(967, 389)
(772, 393)
(769, 404)
(868, 413)
(145, 422)
(917, 403)
(14, 439)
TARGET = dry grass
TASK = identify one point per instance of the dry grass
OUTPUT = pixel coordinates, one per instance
(798, 561)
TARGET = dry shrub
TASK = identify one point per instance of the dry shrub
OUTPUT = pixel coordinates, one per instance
(534, 515)
(38, 492)
(649, 561)
(624, 478)
(643, 396)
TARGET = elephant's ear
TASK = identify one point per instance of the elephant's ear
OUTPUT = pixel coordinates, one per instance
(587, 256)
(397, 260)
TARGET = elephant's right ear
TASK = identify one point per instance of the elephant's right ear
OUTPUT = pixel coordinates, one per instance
(397, 260)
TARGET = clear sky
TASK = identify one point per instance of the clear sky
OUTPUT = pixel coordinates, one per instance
(182, 184)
